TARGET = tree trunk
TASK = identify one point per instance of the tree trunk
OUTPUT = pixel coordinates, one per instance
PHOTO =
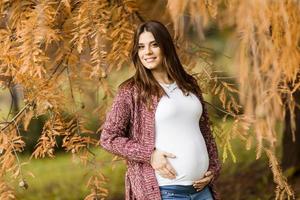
(291, 149)
(15, 97)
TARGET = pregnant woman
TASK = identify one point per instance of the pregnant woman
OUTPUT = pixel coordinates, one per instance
(159, 124)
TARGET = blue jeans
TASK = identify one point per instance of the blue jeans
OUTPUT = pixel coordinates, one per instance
(184, 192)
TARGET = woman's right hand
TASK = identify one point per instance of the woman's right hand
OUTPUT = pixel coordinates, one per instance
(160, 163)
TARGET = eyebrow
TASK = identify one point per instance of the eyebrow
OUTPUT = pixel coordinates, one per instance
(149, 42)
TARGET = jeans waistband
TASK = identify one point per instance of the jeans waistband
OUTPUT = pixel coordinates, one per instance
(179, 189)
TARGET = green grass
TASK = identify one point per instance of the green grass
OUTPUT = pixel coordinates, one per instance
(62, 179)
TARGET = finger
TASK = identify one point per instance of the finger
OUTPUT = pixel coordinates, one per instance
(164, 175)
(198, 187)
(171, 169)
(210, 176)
(161, 172)
(170, 155)
(208, 173)
(203, 180)
(168, 173)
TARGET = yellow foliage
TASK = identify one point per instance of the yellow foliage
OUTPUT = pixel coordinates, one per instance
(48, 43)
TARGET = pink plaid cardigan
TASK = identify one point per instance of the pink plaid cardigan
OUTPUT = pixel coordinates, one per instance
(129, 132)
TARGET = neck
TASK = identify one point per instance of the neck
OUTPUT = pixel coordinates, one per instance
(161, 77)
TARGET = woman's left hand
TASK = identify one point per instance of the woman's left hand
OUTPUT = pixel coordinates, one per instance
(200, 184)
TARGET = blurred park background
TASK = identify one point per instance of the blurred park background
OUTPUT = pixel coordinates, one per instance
(78, 52)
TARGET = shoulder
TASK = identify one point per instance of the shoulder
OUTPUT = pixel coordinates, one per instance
(126, 89)
(127, 84)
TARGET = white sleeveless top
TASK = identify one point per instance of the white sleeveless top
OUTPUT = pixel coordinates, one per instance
(177, 131)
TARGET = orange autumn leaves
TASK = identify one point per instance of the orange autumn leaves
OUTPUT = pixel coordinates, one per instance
(59, 52)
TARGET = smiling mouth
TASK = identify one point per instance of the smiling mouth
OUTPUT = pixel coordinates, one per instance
(150, 59)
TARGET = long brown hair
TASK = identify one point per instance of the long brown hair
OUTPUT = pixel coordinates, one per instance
(146, 83)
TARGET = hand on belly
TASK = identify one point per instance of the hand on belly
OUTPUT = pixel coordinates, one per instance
(200, 184)
(160, 163)
(189, 166)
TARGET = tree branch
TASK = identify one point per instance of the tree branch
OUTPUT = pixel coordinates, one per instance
(220, 109)
(15, 117)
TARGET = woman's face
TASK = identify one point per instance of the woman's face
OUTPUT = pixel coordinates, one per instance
(149, 52)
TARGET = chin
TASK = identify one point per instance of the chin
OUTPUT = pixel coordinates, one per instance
(150, 67)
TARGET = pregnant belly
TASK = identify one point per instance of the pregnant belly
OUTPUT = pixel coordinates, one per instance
(191, 163)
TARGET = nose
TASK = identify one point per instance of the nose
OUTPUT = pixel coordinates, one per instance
(148, 50)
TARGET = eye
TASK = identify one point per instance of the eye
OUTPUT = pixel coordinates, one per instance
(154, 44)
(140, 47)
